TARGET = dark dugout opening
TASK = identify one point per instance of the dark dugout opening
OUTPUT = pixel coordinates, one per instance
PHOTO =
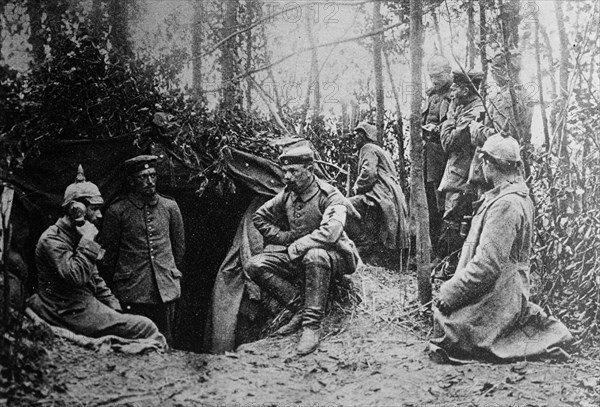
(210, 220)
(210, 224)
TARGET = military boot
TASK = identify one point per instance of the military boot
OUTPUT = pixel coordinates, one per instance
(315, 300)
(292, 326)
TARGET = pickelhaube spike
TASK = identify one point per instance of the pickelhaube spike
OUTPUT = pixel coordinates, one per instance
(80, 175)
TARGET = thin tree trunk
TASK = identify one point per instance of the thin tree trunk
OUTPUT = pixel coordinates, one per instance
(315, 82)
(471, 35)
(540, 83)
(418, 200)
(267, 56)
(36, 35)
(436, 27)
(229, 55)
(2, 28)
(398, 126)
(250, 6)
(482, 46)
(118, 18)
(197, 38)
(378, 69)
(563, 82)
(550, 63)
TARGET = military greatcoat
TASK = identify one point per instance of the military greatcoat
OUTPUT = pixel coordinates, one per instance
(377, 183)
(489, 295)
(72, 294)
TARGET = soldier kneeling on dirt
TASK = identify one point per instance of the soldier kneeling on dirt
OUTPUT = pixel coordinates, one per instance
(483, 311)
(303, 228)
(71, 293)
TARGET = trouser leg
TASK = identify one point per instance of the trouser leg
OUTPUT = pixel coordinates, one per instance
(163, 315)
(274, 273)
(435, 216)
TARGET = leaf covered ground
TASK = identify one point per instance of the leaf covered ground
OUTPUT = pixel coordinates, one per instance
(374, 353)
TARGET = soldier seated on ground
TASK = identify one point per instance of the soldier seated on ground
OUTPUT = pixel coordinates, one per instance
(71, 293)
(378, 198)
(305, 244)
(483, 311)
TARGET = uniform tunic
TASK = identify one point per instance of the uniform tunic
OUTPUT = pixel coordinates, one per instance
(438, 102)
(377, 184)
(501, 120)
(489, 294)
(313, 219)
(72, 294)
(145, 244)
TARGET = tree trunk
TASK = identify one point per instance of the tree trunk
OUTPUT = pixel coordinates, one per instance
(418, 200)
(315, 83)
(118, 18)
(438, 35)
(563, 84)
(36, 35)
(250, 6)
(550, 63)
(378, 69)
(398, 125)
(482, 46)
(2, 28)
(267, 55)
(540, 82)
(197, 38)
(229, 53)
(470, 35)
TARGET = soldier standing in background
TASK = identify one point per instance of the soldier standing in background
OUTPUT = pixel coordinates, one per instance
(438, 103)
(456, 141)
(505, 116)
(144, 239)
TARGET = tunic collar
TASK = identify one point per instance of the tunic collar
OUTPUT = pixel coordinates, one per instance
(507, 187)
(310, 191)
(139, 202)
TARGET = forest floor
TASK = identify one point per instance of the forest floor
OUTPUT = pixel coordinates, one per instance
(373, 354)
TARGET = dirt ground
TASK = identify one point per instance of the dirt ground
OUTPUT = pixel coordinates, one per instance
(373, 354)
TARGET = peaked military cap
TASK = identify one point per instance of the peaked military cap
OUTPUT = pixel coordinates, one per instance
(139, 163)
(297, 155)
(461, 78)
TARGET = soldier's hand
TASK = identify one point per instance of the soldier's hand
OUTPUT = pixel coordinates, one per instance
(474, 126)
(87, 231)
(429, 127)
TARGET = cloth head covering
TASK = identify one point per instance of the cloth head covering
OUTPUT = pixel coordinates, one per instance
(470, 79)
(437, 65)
(297, 155)
(82, 189)
(139, 163)
(504, 150)
(369, 129)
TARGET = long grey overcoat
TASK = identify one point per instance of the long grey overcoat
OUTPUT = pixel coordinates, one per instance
(378, 182)
(489, 294)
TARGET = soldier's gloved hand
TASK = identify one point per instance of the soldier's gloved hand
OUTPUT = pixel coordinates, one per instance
(87, 231)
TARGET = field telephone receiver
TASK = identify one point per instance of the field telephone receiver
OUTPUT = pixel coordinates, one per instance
(77, 213)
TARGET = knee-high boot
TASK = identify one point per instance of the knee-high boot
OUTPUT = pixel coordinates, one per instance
(316, 289)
